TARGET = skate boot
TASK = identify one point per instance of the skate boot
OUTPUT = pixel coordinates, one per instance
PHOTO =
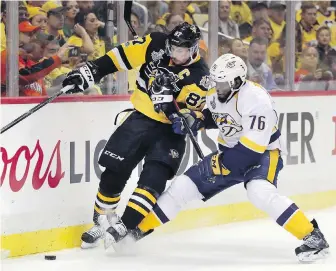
(314, 246)
(115, 236)
(137, 234)
(90, 238)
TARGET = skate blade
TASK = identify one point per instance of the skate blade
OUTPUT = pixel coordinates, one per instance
(313, 256)
(85, 245)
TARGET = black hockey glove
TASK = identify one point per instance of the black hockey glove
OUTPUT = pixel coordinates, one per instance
(81, 78)
(161, 91)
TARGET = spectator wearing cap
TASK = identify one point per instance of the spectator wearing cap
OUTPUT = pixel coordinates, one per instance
(257, 70)
(55, 14)
(276, 13)
(72, 8)
(226, 25)
(259, 9)
(308, 25)
(31, 74)
(240, 12)
(38, 17)
(177, 7)
(324, 15)
(35, 3)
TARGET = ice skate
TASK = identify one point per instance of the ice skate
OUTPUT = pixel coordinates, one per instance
(314, 246)
(90, 238)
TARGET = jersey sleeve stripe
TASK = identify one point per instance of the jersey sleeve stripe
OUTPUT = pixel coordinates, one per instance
(124, 58)
(252, 145)
(115, 61)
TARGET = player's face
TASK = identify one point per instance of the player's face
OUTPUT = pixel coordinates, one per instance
(180, 55)
(223, 90)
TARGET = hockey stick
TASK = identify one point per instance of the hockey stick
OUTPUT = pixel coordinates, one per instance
(34, 109)
(127, 18)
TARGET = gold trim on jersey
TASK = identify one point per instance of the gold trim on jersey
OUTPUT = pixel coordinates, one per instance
(274, 159)
(252, 145)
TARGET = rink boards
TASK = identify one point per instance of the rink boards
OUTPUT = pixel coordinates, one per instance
(49, 170)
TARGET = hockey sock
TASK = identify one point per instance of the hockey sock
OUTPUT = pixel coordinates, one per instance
(295, 222)
(284, 211)
(153, 220)
(105, 204)
(139, 206)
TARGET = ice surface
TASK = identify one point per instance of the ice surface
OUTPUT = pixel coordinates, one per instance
(254, 245)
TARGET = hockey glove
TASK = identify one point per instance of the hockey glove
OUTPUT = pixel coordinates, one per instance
(195, 120)
(217, 167)
(81, 78)
(161, 92)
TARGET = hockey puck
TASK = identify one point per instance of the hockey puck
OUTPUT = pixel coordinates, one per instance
(50, 257)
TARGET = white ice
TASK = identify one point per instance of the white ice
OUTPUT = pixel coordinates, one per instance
(254, 245)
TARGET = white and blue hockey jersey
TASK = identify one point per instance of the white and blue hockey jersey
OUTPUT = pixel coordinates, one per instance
(247, 124)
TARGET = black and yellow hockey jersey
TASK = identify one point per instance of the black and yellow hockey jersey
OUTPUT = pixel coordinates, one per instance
(149, 53)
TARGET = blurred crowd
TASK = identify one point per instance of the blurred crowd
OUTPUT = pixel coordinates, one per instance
(57, 36)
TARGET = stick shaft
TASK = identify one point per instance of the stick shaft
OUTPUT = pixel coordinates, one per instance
(34, 109)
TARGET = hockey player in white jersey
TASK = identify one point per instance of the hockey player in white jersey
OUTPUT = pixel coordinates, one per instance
(249, 152)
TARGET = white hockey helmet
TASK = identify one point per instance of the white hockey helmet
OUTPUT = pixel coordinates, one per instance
(229, 73)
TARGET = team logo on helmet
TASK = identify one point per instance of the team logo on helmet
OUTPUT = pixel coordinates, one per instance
(226, 124)
(231, 64)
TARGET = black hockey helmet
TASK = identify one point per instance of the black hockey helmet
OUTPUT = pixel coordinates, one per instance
(184, 35)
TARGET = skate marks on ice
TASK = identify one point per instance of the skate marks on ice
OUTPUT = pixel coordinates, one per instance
(256, 245)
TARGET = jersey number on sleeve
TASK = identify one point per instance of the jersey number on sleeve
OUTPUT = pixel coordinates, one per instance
(193, 100)
(260, 122)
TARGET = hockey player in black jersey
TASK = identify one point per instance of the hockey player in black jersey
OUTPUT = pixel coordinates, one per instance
(146, 133)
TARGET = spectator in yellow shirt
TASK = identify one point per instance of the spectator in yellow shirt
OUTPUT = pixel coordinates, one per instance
(240, 12)
(324, 15)
(38, 17)
(277, 13)
(177, 7)
(55, 15)
(259, 9)
(87, 38)
(308, 25)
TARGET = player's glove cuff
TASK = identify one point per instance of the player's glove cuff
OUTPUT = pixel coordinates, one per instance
(217, 167)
